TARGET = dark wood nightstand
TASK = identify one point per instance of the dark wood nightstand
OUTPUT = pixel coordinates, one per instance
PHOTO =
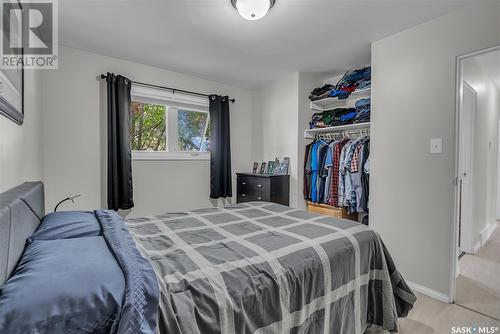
(263, 187)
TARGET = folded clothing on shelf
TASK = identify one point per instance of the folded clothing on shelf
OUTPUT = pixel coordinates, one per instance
(317, 121)
(351, 81)
(342, 93)
(364, 83)
(342, 116)
(352, 78)
(363, 107)
(334, 117)
(321, 93)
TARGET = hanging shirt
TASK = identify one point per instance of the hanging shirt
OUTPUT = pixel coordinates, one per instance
(341, 199)
(307, 172)
(322, 150)
(314, 171)
(357, 189)
(365, 177)
(328, 167)
(367, 165)
(356, 155)
(348, 190)
(333, 183)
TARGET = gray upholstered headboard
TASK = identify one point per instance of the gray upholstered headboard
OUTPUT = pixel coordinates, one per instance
(21, 210)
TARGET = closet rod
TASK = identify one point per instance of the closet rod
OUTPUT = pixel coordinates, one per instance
(173, 90)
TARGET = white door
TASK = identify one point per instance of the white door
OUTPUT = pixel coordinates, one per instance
(467, 121)
(498, 173)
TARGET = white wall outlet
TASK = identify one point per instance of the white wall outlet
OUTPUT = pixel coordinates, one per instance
(436, 145)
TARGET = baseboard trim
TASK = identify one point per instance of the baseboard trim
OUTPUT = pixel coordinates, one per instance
(429, 292)
(477, 246)
(487, 232)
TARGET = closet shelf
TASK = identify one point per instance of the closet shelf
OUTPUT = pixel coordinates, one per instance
(310, 133)
(333, 102)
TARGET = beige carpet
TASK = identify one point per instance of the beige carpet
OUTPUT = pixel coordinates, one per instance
(432, 316)
(478, 285)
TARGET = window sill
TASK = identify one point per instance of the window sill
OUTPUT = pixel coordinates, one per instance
(165, 156)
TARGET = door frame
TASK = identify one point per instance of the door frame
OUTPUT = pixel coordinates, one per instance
(456, 207)
(466, 240)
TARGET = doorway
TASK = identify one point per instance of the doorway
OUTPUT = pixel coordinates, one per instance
(477, 237)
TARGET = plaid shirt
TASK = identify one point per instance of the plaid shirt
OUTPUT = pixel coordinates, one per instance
(334, 182)
(355, 158)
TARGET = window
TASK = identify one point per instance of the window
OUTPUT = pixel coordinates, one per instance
(193, 130)
(164, 125)
(148, 127)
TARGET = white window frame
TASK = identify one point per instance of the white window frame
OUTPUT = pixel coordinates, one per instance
(172, 102)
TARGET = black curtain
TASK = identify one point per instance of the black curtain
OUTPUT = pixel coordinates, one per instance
(120, 190)
(220, 148)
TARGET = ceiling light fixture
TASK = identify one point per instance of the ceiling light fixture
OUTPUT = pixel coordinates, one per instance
(253, 9)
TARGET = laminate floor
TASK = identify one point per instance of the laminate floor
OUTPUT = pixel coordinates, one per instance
(478, 285)
(477, 300)
(431, 316)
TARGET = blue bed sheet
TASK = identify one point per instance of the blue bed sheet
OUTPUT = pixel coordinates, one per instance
(67, 224)
(79, 277)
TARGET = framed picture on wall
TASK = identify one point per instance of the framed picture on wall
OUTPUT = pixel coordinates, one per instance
(12, 79)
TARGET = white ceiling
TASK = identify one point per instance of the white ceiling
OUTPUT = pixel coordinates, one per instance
(490, 63)
(208, 39)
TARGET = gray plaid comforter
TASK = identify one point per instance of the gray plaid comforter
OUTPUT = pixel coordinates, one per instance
(266, 268)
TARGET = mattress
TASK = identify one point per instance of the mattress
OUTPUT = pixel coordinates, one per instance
(266, 268)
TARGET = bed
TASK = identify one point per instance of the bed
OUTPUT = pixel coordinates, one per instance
(248, 268)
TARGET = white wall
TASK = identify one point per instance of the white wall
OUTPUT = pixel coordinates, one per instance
(413, 100)
(75, 137)
(282, 114)
(277, 105)
(307, 82)
(20, 146)
(485, 146)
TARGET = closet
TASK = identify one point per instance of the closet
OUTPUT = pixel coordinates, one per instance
(337, 160)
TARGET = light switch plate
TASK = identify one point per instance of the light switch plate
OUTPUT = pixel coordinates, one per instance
(436, 145)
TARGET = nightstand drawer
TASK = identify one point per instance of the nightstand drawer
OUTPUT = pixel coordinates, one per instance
(252, 197)
(250, 184)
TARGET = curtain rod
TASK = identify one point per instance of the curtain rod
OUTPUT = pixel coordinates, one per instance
(173, 90)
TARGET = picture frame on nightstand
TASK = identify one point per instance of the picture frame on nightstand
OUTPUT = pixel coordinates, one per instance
(262, 168)
(255, 167)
